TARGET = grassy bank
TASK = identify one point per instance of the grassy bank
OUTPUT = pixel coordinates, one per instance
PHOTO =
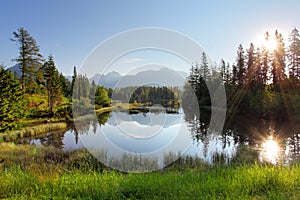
(34, 127)
(104, 110)
(31, 131)
(252, 182)
(38, 173)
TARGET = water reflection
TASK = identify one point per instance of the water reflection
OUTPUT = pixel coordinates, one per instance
(279, 144)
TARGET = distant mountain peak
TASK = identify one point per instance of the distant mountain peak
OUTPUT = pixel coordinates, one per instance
(163, 76)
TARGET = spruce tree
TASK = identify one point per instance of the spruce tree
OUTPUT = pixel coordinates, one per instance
(29, 56)
(223, 70)
(250, 63)
(278, 64)
(234, 78)
(265, 61)
(293, 54)
(92, 92)
(53, 83)
(240, 65)
(227, 74)
(11, 104)
(204, 67)
(74, 85)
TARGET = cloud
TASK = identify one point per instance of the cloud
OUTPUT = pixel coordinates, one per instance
(130, 60)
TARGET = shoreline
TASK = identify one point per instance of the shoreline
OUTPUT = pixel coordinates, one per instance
(35, 127)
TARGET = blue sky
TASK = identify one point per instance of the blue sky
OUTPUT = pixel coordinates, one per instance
(69, 30)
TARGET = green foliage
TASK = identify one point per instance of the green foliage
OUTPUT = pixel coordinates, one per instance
(101, 97)
(293, 54)
(53, 83)
(149, 95)
(29, 56)
(65, 86)
(82, 107)
(258, 85)
(32, 131)
(28, 172)
(11, 104)
(80, 86)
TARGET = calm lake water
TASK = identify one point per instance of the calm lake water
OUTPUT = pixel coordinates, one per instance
(158, 133)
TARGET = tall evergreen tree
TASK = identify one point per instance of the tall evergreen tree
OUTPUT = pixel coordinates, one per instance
(84, 86)
(92, 92)
(250, 63)
(258, 69)
(223, 70)
(205, 73)
(11, 104)
(193, 76)
(53, 83)
(65, 84)
(265, 61)
(74, 85)
(29, 56)
(240, 62)
(293, 54)
(234, 78)
(278, 64)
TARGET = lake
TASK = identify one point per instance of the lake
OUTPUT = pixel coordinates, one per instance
(155, 135)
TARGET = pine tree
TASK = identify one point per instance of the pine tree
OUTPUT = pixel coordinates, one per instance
(258, 70)
(193, 76)
(240, 65)
(53, 83)
(278, 63)
(294, 54)
(74, 85)
(250, 63)
(29, 56)
(223, 70)
(227, 74)
(205, 73)
(11, 104)
(265, 61)
(66, 85)
(92, 92)
(234, 78)
(84, 86)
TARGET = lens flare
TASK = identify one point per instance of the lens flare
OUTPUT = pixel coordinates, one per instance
(270, 151)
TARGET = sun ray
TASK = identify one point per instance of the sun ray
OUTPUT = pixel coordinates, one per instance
(268, 43)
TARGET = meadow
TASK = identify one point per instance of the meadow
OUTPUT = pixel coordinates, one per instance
(28, 172)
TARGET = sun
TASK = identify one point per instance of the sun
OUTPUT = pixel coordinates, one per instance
(270, 150)
(269, 44)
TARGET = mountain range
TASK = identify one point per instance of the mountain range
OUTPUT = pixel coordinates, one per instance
(163, 77)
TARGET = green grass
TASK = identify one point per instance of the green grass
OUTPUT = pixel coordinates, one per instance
(255, 182)
(31, 131)
(45, 173)
(104, 110)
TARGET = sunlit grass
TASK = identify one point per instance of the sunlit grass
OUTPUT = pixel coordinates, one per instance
(255, 182)
(31, 131)
(28, 172)
(104, 110)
